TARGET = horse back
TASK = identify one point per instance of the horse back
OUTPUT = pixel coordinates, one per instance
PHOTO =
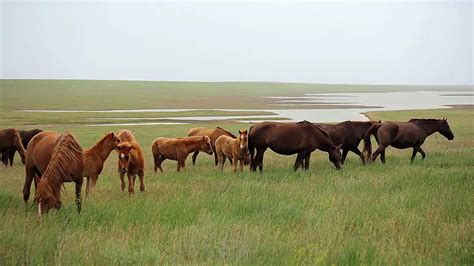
(125, 135)
(40, 150)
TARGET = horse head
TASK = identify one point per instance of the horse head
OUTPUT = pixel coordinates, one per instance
(243, 139)
(445, 130)
(335, 156)
(124, 149)
(206, 145)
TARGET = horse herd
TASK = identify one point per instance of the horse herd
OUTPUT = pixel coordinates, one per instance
(52, 158)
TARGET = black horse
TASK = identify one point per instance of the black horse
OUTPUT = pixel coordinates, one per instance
(8, 155)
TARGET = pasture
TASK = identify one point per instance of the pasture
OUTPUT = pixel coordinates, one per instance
(397, 213)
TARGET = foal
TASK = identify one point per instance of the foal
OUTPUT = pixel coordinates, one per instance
(236, 149)
(131, 161)
(178, 149)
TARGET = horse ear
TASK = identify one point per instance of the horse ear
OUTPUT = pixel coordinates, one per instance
(240, 132)
(204, 137)
(245, 132)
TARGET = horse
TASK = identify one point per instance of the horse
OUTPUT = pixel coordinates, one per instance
(26, 136)
(52, 159)
(40, 154)
(348, 134)
(403, 135)
(213, 134)
(96, 157)
(131, 161)
(10, 141)
(236, 149)
(300, 138)
(178, 149)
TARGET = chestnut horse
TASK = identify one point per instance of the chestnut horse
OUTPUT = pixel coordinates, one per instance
(26, 136)
(131, 161)
(59, 158)
(348, 134)
(94, 159)
(236, 149)
(403, 135)
(213, 134)
(10, 141)
(301, 138)
(178, 149)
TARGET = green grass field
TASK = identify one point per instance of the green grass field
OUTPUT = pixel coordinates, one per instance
(397, 213)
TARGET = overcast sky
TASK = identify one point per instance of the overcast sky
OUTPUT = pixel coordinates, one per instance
(321, 42)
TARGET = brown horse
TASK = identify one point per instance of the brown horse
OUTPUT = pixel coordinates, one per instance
(59, 158)
(95, 159)
(301, 138)
(213, 134)
(26, 136)
(348, 134)
(131, 161)
(403, 135)
(236, 149)
(178, 149)
(40, 154)
(10, 141)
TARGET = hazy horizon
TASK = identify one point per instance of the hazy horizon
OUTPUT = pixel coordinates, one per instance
(367, 43)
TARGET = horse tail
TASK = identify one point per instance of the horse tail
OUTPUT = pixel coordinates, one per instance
(155, 151)
(250, 147)
(19, 144)
(367, 144)
(65, 160)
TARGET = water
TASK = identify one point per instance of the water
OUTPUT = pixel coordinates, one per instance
(365, 102)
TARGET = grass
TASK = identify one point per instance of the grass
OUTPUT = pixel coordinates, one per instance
(397, 213)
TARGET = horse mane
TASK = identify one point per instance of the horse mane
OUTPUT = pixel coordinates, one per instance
(304, 122)
(230, 134)
(424, 120)
(18, 142)
(101, 141)
(67, 153)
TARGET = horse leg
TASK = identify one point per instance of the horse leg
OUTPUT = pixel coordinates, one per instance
(11, 157)
(78, 194)
(234, 162)
(306, 161)
(141, 176)
(298, 161)
(259, 159)
(131, 189)
(344, 155)
(195, 155)
(413, 154)
(122, 179)
(358, 152)
(423, 154)
(242, 165)
(158, 163)
(382, 156)
(216, 160)
(30, 174)
(379, 150)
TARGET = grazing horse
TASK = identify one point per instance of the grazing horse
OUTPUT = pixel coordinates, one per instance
(10, 141)
(403, 135)
(236, 149)
(131, 161)
(59, 158)
(301, 138)
(348, 134)
(41, 151)
(26, 136)
(213, 134)
(178, 149)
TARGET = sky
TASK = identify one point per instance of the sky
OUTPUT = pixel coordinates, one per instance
(395, 42)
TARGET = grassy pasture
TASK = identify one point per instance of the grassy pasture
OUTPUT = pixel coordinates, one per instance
(398, 213)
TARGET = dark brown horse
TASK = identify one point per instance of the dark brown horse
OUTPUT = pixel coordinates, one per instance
(10, 141)
(300, 138)
(26, 136)
(348, 134)
(403, 135)
(213, 134)
(52, 159)
(131, 161)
